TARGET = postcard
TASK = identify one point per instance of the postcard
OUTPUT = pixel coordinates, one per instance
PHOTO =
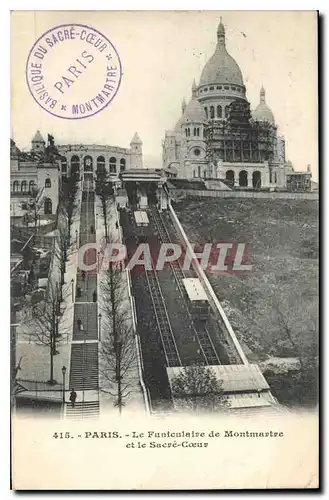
(164, 250)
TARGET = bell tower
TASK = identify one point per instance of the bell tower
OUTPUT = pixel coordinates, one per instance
(38, 144)
(136, 152)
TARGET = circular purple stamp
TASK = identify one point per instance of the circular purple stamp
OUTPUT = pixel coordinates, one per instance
(73, 71)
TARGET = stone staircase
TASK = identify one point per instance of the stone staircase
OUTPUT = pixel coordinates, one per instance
(84, 366)
(82, 410)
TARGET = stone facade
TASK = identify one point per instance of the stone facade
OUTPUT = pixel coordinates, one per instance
(206, 142)
(87, 158)
(34, 169)
(30, 171)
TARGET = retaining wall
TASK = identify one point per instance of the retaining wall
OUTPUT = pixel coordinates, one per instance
(213, 300)
(242, 194)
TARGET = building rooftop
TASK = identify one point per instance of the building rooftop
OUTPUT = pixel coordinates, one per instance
(235, 378)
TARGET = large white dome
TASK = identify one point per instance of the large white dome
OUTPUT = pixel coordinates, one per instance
(221, 67)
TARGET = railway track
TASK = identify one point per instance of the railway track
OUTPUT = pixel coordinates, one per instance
(167, 336)
(206, 346)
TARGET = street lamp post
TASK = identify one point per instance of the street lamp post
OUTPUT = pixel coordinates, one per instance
(72, 289)
(99, 326)
(64, 372)
(76, 238)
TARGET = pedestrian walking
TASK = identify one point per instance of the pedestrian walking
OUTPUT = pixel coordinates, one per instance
(78, 292)
(73, 397)
(79, 323)
(94, 296)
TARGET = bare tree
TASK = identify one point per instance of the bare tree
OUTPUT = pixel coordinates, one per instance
(118, 362)
(61, 249)
(104, 190)
(196, 389)
(67, 199)
(34, 206)
(44, 324)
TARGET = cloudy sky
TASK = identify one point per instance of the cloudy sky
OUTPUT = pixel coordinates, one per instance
(161, 53)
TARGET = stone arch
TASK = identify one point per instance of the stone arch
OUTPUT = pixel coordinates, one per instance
(48, 206)
(122, 165)
(75, 164)
(230, 177)
(64, 165)
(32, 186)
(100, 164)
(88, 163)
(243, 178)
(113, 165)
(256, 179)
(23, 187)
(212, 112)
(219, 111)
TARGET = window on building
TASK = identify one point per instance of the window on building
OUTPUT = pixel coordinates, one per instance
(88, 164)
(227, 111)
(212, 112)
(219, 111)
(122, 165)
(24, 206)
(226, 87)
(206, 111)
(75, 164)
(199, 171)
(15, 186)
(64, 165)
(194, 173)
(100, 164)
(197, 152)
(32, 186)
(24, 187)
(211, 88)
(204, 173)
(275, 177)
(113, 165)
(48, 206)
(47, 183)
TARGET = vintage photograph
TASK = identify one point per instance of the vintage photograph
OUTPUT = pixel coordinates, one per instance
(164, 216)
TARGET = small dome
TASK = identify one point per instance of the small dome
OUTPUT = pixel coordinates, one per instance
(263, 113)
(194, 111)
(221, 67)
(38, 137)
(136, 139)
(179, 124)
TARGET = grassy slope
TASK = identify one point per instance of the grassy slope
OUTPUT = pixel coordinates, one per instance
(282, 238)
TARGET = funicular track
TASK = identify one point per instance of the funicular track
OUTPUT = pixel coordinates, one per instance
(167, 336)
(200, 330)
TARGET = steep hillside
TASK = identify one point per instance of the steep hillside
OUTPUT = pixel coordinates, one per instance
(273, 308)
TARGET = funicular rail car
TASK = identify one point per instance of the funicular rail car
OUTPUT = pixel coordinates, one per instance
(197, 297)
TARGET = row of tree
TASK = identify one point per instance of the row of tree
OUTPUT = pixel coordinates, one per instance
(44, 317)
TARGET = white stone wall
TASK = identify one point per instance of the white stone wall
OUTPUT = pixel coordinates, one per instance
(51, 191)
